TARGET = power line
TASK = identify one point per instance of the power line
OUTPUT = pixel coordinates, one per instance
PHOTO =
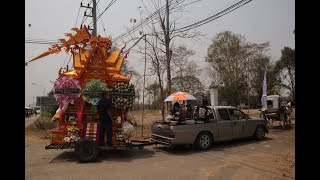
(65, 60)
(206, 20)
(78, 15)
(189, 3)
(213, 17)
(86, 11)
(85, 18)
(198, 22)
(110, 4)
(69, 60)
(142, 23)
(145, 21)
(182, 29)
(41, 42)
(38, 39)
(104, 29)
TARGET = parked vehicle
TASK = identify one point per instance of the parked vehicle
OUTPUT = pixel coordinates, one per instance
(277, 110)
(225, 123)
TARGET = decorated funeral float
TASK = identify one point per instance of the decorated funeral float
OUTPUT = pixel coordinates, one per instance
(96, 68)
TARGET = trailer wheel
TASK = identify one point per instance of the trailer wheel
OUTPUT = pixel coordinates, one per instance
(86, 150)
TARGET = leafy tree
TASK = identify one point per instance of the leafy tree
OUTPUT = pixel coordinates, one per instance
(285, 69)
(225, 57)
(235, 62)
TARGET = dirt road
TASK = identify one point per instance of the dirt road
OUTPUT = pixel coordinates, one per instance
(30, 120)
(272, 158)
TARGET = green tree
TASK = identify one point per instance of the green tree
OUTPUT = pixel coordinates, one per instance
(225, 57)
(285, 69)
(234, 61)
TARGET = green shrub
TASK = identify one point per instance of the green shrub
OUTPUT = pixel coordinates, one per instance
(44, 123)
(50, 111)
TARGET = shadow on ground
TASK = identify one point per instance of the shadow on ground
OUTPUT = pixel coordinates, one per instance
(222, 146)
(106, 155)
(277, 126)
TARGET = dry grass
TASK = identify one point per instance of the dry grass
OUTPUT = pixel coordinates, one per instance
(34, 135)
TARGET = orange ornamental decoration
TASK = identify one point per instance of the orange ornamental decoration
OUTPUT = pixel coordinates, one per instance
(92, 59)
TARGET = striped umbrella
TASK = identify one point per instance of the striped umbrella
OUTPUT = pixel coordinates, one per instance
(180, 96)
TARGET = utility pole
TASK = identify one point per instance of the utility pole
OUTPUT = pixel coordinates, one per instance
(145, 64)
(93, 15)
(167, 42)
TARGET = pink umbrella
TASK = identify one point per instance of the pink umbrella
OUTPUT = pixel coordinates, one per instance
(177, 96)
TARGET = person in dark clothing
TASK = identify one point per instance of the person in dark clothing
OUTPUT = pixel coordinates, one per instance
(104, 107)
(202, 111)
(177, 111)
(189, 111)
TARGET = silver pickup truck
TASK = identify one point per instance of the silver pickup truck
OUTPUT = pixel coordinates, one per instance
(225, 123)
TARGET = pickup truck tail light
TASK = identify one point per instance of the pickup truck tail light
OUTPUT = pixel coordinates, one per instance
(171, 134)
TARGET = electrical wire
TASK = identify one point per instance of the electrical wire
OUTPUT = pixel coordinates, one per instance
(206, 20)
(104, 29)
(147, 20)
(86, 17)
(213, 17)
(78, 15)
(110, 4)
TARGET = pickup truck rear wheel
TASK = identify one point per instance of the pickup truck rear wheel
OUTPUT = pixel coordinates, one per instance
(260, 133)
(204, 141)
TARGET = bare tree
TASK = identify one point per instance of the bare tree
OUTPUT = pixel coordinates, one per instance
(160, 40)
(153, 90)
(180, 59)
(138, 85)
(164, 29)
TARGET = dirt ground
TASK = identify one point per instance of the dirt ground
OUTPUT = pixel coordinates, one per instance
(272, 158)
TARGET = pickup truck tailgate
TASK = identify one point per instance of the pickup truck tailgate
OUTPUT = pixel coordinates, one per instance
(160, 132)
(160, 128)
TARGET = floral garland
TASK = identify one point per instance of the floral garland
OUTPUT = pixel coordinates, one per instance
(92, 91)
(71, 89)
(123, 137)
(120, 102)
(123, 101)
(122, 87)
(73, 133)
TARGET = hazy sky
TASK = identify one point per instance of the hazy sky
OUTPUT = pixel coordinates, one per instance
(259, 21)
